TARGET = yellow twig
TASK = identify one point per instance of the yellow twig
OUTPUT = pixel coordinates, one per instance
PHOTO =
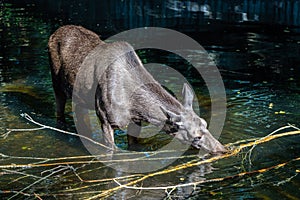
(209, 180)
(64, 163)
(188, 165)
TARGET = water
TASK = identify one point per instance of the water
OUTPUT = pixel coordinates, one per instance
(260, 70)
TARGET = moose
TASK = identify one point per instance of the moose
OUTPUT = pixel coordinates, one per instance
(123, 92)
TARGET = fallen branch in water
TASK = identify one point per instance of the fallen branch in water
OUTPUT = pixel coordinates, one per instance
(194, 184)
(201, 162)
(52, 172)
(42, 126)
(257, 141)
(67, 163)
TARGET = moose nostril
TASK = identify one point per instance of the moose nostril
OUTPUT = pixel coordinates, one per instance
(197, 138)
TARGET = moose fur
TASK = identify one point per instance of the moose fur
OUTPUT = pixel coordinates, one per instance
(112, 77)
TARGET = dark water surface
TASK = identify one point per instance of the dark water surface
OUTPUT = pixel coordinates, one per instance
(259, 62)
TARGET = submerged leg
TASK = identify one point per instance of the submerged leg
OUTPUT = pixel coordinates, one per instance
(82, 121)
(108, 135)
(133, 132)
(61, 99)
(108, 131)
(109, 140)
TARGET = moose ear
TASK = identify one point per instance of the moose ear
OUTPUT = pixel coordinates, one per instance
(170, 115)
(188, 96)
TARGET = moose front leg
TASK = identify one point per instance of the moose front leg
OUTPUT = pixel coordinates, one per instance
(82, 122)
(133, 131)
(108, 137)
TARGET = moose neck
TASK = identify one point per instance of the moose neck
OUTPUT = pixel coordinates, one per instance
(151, 98)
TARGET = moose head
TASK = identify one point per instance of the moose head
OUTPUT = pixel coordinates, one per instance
(191, 128)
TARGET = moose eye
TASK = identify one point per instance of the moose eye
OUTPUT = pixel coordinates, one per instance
(197, 139)
(180, 125)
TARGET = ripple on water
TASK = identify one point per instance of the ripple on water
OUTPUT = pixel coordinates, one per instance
(255, 111)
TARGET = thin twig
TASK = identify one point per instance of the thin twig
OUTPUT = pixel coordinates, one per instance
(291, 125)
(42, 126)
(249, 153)
(62, 168)
(21, 173)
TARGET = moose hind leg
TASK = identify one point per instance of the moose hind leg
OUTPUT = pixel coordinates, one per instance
(61, 99)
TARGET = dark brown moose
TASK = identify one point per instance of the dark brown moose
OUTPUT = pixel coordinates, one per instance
(112, 77)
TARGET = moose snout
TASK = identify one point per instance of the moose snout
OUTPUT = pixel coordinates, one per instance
(208, 143)
(196, 142)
